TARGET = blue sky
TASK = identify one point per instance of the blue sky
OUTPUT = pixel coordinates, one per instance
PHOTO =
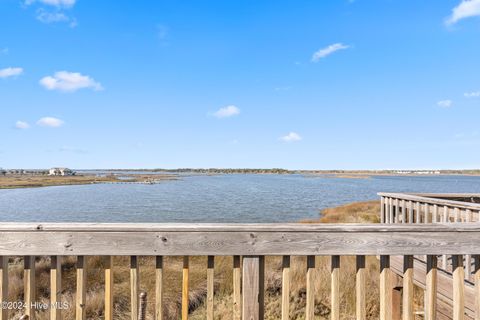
(292, 84)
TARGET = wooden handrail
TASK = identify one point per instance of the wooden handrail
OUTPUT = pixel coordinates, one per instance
(250, 244)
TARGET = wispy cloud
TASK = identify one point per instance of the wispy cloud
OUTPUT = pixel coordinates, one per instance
(466, 9)
(322, 53)
(291, 137)
(55, 3)
(226, 112)
(3, 50)
(445, 103)
(22, 125)
(69, 82)
(10, 72)
(50, 122)
(473, 94)
(53, 11)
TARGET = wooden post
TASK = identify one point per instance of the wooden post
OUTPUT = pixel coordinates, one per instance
(385, 289)
(382, 209)
(158, 288)
(29, 285)
(142, 306)
(476, 277)
(431, 289)
(427, 213)
(253, 287)
(210, 286)
(408, 312)
(387, 210)
(360, 289)
(55, 287)
(185, 287)
(390, 211)
(335, 288)
(310, 304)
(237, 293)
(410, 211)
(404, 211)
(285, 287)
(108, 288)
(445, 219)
(458, 288)
(397, 211)
(417, 212)
(435, 213)
(80, 309)
(3, 286)
(134, 287)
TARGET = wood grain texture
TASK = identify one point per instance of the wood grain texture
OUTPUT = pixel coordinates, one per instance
(252, 288)
(210, 286)
(237, 284)
(444, 285)
(360, 289)
(285, 287)
(108, 288)
(134, 287)
(185, 287)
(3, 286)
(80, 299)
(335, 288)
(431, 289)
(433, 199)
(458, 288)
(158, 288)
(341, 239)
(408, 311)
(55, 287)
(310, 288)
(476, 277)
(385, 289)
(29, 285)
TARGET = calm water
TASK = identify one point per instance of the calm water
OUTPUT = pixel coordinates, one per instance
(222, 198)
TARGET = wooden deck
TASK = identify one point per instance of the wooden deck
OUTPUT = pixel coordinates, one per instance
(408, 209)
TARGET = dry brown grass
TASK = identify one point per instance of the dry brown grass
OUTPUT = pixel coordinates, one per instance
(358, 212)
(32, 181)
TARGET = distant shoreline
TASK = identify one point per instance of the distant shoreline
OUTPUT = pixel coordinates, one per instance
(18, 181)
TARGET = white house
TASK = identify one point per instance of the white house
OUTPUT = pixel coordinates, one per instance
(60, 172)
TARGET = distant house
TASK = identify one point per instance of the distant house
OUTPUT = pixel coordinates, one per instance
(60, 172)
(3, 172)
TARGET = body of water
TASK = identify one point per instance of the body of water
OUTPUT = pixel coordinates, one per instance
(219, 198)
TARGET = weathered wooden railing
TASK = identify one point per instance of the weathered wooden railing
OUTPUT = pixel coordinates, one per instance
(432, 208)
(425, 208)
(252, 242)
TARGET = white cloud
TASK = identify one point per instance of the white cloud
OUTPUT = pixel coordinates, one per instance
(291, 137)
(22, 125)
(10, 72)
(474, 94)
(55, 3)
(69, 82)
(51, 17)
(445, 103)
(50, 122)
(466, 9)
(228, 111)
(322, 53)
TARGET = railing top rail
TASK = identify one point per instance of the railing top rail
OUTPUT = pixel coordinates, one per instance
(429, 198)
(237, 239)
(234, 227)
